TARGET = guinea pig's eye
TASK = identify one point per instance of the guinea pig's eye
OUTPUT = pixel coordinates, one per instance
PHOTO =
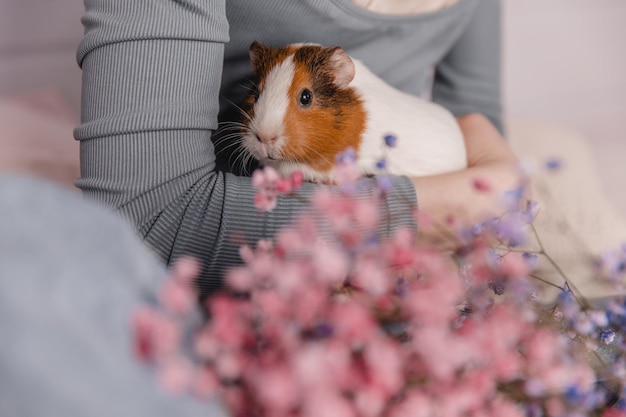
(306, 98)
(255, 94)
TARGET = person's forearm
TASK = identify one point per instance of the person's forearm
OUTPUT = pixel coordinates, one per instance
(455, 195)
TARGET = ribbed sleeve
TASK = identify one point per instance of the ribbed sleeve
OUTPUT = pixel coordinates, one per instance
(468, 78)
(111, 21)
(151, 78)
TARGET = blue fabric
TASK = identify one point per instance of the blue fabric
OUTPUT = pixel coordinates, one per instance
(71, 274)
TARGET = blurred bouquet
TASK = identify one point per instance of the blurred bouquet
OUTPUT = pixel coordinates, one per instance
(332, 320)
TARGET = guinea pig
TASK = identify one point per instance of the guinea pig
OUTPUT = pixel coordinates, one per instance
(312, 103)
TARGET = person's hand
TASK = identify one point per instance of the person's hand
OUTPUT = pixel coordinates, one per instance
(473, 194)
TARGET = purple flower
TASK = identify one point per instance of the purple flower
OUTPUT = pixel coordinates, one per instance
(402, 286)
(511, 229)
(498, 287)
(531, 259)
(391, 140)
(323, 331)
(567, 304)
(554, 164)
(513, 197)
(477, 229)
(573, 394)
(607, 337)
(385, 184)
(346, 157)
(534, 410)
(381, 164)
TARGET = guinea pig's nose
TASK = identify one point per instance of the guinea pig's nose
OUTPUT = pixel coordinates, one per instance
(266, 139)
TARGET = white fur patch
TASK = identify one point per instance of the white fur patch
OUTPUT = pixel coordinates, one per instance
(271, 107)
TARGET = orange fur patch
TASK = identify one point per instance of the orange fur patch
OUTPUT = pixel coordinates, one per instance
(329, 126)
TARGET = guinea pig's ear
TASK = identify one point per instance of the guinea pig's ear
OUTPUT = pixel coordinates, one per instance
(256, 53)
(343, 67)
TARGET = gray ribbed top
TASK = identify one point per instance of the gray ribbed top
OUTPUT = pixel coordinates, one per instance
(152, 73)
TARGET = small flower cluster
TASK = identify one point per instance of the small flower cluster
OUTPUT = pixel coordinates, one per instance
(600, 330)
(611, 266)
(333, 319)
(364, 329)
(270, 185)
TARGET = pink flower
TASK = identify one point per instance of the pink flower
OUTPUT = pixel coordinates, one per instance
(433, 301)
(298, 239)
(385, 363)
(442, 352)
(311, 304)
(290, 276)
(327, 403)
(240, 279)
(175, 375)
(296, 179)
(177, 294)
(206, 345)
(614, 412)
(366, 214)
(156, 335)
(399, 251)
(354, 324)
(514, 266)
(230, 320)
(237, 404)
(277, 389)
(185, 270)
(265, 201)
(143, 329)
(322, 365)
(264, 178)
(482, 185)
(177, 297)
(271, 305)
(331, 265)
(416, 404)
(371, 277)
(501, 407)
(230, 365)
(204, 383)
(270, 185)
(370, 402)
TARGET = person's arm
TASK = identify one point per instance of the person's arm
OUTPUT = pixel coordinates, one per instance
(151, 77)
(490, 161)
(468, 79)
(467, 82)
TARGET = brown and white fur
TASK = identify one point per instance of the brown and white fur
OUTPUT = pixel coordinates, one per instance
(348, 106)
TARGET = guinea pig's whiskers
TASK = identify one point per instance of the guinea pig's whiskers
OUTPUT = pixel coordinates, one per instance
(314, 152)
(240, 110)
(233, 128)
(243, 160)
(251, 88)
(230, 126)
(229, 139)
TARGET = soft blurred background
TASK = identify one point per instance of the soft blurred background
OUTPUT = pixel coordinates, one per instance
(565, 62)
(564, 65)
